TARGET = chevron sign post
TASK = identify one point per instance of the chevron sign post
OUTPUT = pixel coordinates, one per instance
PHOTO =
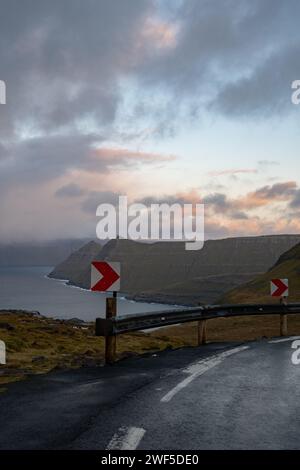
(105, 276)
(279, 287)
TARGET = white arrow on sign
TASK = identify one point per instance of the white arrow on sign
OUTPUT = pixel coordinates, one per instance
(105, 276)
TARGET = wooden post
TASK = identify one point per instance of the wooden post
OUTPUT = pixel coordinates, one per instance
(111, 341)
(283, 321)
(201, 332)
(283, 324)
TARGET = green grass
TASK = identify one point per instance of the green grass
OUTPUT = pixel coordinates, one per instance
(258, 290)
(37, 345)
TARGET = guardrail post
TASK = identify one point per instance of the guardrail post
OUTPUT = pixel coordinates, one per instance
(111, 341)
(283, 324)
(201, 332)
(283, 319)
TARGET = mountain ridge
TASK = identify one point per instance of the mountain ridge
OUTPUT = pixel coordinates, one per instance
(165, 272)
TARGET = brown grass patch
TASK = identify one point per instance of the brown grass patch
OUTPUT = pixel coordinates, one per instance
(37, 345)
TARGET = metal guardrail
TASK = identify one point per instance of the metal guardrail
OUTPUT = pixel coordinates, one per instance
(113, 325)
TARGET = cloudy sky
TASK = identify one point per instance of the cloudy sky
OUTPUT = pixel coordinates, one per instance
(186, 100)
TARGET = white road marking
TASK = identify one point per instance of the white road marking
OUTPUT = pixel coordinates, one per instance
(283, 340)
(126, 439)
(199, 368)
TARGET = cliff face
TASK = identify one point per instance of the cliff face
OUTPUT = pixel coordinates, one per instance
(167, 272)
(71, 269)
(258, 290)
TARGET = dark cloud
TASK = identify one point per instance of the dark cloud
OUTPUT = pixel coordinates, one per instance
(95, 198)
(268, 163)
(48, 157)
(62, 60)
(147, 201)
(221, 204)
(218, 200)
(69, 66)
(236, 58)
(69, 190)
(295, 203)
(3, 151)
(235, 207)
(239, 215)
(277, 191)
(45, 158)
(218, 203)
(233, 172)
(267, 91)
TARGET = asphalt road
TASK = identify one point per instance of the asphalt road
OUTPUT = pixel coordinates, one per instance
(219, 396)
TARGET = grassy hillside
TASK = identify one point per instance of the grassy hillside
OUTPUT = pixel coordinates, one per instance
(258, 290)
(36, 344)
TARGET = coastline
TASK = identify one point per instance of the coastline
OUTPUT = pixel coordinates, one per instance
(177, 301)
(153, 299)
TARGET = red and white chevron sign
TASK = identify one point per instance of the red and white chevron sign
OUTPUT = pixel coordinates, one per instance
(105, 276)
(279, 287)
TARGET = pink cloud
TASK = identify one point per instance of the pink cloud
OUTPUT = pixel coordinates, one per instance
(119, 155)
(267, 195)
(234, 171)
(159, 33)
